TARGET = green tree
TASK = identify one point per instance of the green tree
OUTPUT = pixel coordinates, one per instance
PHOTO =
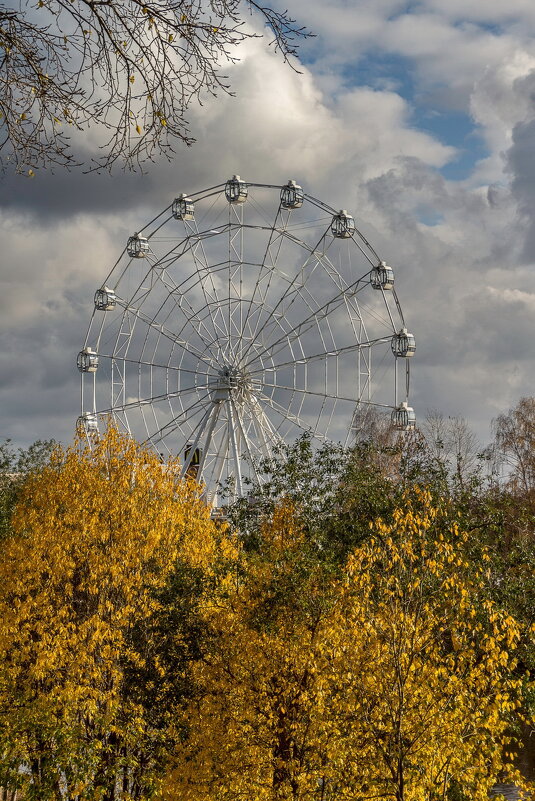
(334, 492)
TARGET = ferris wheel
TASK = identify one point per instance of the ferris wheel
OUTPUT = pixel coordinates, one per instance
(238, 318)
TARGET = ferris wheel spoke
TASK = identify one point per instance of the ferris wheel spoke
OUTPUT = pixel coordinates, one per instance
(124, 270)
(233, 436)
(323, 260)
(267, 266)
(203, 271)
(218, 464)
(170, 427)
(292, 291)
(214, 415)
(234, 277)
(286, 414)
(326, 394)
(164, 331)
(357, 326)
(149, 364)
(245, 441)
(298, 290)
(372, 260)
(183, 247)
(198, 433)
(190, 315)
(212, 299)
(265, 431)
(159, 267)
(356, 320)
(138, 402)
(324, 354)
(298, 330)
(363, 310)
(373, 404)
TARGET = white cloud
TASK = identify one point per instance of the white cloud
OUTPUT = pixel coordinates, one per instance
(489, 12)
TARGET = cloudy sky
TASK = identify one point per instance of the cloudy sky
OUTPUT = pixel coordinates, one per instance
(419, 117)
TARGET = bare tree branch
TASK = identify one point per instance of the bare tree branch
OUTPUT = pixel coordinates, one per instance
(126, 67)
(514, 445)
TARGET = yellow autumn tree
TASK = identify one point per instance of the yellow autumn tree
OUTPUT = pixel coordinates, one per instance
(109, 554)
(422, 694)
(389, 679)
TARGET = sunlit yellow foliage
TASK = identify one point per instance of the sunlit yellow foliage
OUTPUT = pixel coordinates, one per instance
(96, 535)
(421, 692)
(391, 679)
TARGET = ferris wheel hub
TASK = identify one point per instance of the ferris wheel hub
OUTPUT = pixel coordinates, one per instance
(232, 383)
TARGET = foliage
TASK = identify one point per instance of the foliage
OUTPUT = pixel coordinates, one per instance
(102, 538)
(431, 688)
(129, 67)
(15, 466)
(363, 629)
(252, 724)
(391, 678)
(334, 493)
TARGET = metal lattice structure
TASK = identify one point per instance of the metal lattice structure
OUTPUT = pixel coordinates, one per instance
(238, 318)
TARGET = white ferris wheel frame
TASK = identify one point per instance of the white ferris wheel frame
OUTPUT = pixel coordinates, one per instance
(217, 350)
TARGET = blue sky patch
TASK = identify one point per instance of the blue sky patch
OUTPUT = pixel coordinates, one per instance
(451, 127)
(457, 129)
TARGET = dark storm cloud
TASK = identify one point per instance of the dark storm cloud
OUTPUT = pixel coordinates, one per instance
(521, 162)
(61, 195)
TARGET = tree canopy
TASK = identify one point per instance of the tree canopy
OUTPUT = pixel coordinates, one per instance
(363, 629)
(392, 678)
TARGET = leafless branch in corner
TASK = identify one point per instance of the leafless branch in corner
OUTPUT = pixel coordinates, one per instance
(127, 67)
